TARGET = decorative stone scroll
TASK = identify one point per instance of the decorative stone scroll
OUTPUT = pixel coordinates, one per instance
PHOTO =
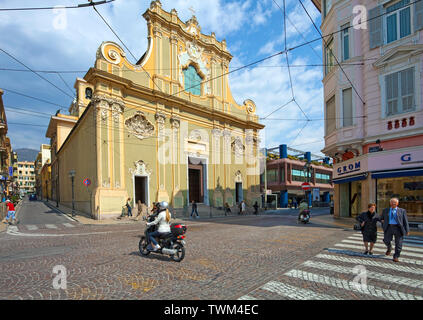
(175, 122)
(104, 104)
(141, 168)
(237, 146)
(238, 176)
(139, 126)
(160, 119)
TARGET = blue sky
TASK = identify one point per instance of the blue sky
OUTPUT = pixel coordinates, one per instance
(47, 40)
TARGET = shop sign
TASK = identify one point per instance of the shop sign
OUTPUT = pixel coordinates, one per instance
(350, 167)
(408, 158)
(316, 194)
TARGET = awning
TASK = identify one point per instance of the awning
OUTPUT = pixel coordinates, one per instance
(350, 179)
(399, 173)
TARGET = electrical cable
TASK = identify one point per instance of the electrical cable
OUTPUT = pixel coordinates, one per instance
(58, 7)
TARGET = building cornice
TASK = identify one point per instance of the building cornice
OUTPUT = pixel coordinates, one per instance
(93, 75)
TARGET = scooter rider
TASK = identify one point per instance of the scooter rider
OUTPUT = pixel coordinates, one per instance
(302, 207)
(163, 222)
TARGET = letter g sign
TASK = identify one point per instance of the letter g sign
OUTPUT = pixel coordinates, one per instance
(406, 157)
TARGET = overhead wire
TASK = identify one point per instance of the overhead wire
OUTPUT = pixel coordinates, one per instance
(79, 6)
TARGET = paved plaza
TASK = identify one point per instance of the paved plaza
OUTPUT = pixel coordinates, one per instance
(237, 257)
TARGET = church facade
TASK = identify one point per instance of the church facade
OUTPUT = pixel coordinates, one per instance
(166, 128)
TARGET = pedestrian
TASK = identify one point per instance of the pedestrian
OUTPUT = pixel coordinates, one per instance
(295, 203)
(227, 209)
(368, 221)
(194, 209)
(128, 206)
(239, 208)
(10, 211)
(395, 223)
(243, 208)
(255, 208)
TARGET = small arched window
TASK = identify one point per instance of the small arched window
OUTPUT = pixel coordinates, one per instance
(192, 81)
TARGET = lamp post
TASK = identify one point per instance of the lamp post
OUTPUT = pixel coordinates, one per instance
(72, 176)
(47, 189)
(306, 170)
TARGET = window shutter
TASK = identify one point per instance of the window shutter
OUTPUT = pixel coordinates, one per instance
(347, 107)
(407, 89)
(330, 116)
(391, 94)
(405, 22)
(418, 15)
(375, 27)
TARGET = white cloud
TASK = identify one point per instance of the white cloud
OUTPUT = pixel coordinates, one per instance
(32, 38)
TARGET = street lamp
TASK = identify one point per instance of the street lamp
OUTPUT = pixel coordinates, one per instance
(72, 176)
(306, 170)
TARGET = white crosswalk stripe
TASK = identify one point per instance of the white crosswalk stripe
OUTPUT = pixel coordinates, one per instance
(51, 226)
(340, 261)
(383, 257)
(371, 262)
(369, 274)
(352, 286)
(375, 250)
(31, 227)
(289, 291)
(69, 225)
(411, 240)
(247, 297)
(380, 245)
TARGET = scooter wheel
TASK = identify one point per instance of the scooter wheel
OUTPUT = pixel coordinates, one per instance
(180, 252)
(143, 247)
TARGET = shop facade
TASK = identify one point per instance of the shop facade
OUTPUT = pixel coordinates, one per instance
(378, 177)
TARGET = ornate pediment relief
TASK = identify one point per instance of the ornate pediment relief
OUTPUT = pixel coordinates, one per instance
(398, 53)
(139, 126)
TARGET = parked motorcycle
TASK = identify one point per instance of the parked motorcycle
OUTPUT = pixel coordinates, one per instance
(171, 243)
(304, 216)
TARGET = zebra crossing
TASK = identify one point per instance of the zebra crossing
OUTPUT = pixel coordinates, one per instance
(344, 272)
(34, 227)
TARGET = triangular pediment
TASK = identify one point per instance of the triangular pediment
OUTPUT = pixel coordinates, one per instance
(398, 53)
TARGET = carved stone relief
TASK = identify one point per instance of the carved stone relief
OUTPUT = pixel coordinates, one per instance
(237, 146)
(139, 126)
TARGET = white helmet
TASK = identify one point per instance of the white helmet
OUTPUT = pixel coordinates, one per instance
(163, 205)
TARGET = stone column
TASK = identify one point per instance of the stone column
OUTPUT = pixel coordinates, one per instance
(161, 155)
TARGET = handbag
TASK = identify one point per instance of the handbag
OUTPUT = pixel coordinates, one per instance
(357, 226)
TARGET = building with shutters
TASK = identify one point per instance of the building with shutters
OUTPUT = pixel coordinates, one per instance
(373, 111)
(285, 173)
(163, 128)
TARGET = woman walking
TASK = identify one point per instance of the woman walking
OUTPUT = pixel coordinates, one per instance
(128, 206)
(368, 221)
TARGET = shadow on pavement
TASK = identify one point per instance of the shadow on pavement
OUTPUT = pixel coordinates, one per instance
(356, 254)
(152, 255)
(261, 221)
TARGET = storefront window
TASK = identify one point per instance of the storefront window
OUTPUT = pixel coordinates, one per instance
(355, 200)
(409, 191)
(272, 175)
(299, 175)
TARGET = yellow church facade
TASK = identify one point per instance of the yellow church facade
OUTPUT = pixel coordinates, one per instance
(166, 128)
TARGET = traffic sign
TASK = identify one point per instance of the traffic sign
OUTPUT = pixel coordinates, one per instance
(305, 186)
(87, 182)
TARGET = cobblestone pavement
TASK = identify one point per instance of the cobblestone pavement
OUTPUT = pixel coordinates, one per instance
(251, 257)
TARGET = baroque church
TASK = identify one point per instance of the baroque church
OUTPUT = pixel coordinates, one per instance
(164, 129)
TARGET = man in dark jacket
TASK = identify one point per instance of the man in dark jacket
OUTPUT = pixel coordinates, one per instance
(394, 223)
